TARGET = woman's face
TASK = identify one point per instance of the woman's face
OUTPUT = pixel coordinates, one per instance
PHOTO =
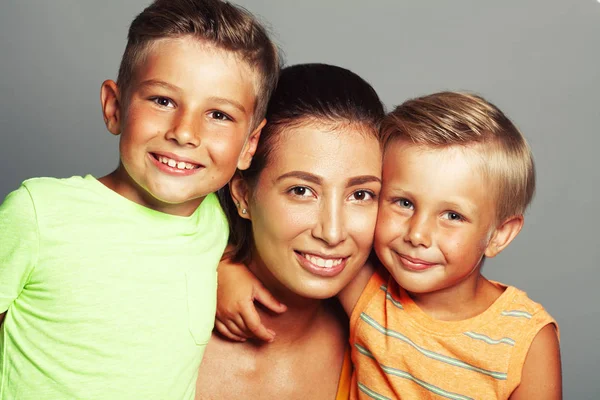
(314, 207)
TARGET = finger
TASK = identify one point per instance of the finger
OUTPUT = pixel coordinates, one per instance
(238, 320)
(264, 297)
(255, 325)
(235, 330)
(223, 331)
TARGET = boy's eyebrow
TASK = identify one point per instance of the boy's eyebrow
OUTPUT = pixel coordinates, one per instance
(154, 82)
(223, 100)
(220, 100)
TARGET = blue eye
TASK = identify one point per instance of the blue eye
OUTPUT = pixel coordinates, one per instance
(453, 216)
(404, 203)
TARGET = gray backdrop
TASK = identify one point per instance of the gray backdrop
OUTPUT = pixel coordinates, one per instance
(537, 60)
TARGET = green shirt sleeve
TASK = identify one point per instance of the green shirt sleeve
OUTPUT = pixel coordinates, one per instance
(19, 240)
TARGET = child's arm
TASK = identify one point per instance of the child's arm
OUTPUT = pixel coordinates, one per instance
(541, 377)
(237, 290)
(18, 246)
(349, 295)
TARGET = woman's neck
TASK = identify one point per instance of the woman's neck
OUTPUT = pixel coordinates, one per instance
(301, 313)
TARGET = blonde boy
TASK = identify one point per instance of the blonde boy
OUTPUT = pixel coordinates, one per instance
(457, 178)
(107, 287)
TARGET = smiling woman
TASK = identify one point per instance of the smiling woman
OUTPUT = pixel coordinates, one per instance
(302, 218)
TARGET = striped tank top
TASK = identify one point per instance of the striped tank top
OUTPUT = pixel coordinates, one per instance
(399, 352)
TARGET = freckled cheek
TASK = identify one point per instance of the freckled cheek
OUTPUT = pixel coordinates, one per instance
(137, 130)
(224, 150)
(389, 227)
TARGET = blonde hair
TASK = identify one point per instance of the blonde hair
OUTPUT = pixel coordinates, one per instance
(461, 119)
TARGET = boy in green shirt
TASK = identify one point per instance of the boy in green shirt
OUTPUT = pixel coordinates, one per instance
(107, 287)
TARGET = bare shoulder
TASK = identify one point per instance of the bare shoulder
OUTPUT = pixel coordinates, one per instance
(542, 375)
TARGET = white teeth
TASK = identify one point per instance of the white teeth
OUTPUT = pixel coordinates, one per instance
(322, 262)
(175, 164)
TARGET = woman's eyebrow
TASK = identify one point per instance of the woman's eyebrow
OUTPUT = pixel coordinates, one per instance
(361, 180)
(301, 175)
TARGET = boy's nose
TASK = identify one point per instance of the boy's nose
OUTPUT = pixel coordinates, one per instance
(186, 132)
(419, 231)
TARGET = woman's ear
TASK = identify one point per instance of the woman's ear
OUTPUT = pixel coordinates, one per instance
(503, 235)
(240, 193)
(110, 100)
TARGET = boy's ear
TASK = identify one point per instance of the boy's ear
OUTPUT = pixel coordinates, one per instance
(110, 98)
(250, 147)
(240, 194)
(503, 235)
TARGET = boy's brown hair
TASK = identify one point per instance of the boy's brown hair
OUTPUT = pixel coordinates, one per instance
(217, 23)
(461, 119)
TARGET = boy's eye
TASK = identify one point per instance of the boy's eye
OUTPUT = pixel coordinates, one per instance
(403, 203)
(452, 216)
(221, 116)
(163, 101)
(363, 195)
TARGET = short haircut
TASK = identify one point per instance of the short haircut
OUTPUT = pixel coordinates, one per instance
(462, 119)
(217, 23)
(312, 94)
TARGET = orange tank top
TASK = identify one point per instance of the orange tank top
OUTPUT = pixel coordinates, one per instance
(399, 352)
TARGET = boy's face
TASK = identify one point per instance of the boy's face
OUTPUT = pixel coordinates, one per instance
(436, 217)
(185, 127)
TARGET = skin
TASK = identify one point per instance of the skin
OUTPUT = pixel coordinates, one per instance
(312, 199)
(436, 221)
(188, 102)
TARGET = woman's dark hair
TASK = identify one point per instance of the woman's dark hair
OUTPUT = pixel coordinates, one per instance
(306, 93)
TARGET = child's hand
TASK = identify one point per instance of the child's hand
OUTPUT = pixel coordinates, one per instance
(237, 318)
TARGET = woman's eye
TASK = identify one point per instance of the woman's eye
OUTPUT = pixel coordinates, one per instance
(162, 101)
(363, 195)
(300, 191)
(221, 116)
(404, 203)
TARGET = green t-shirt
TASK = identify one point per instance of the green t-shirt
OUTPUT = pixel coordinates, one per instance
(105, 299)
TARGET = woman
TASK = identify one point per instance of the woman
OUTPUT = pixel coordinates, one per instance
(302, 219)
